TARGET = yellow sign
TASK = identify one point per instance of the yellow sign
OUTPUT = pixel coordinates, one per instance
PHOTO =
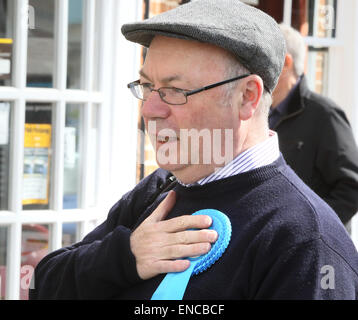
(6, 40)
(37, 135)
(37, 143)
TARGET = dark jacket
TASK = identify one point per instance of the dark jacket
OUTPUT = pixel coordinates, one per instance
(317, 142)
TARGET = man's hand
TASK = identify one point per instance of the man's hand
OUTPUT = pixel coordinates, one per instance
(159, 244)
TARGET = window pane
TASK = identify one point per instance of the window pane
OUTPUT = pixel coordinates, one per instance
(3, 247)
(75, 21)
(40, 55)
(35, 246)
(317, 74)
(315, 18)
(93, 156)
(69, 234)
(72, 156)
(97, 47)
(4, 153)
(37, 156)
(6, 41)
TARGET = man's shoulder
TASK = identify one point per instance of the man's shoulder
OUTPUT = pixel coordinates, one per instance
(301, 216)
(322, 107)
(144, 190)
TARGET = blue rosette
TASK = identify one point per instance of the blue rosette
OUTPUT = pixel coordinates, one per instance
(174, 284)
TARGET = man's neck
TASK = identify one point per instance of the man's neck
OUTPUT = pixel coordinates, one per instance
(284, 91)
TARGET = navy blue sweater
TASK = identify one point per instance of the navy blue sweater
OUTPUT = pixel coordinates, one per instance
(286, 244)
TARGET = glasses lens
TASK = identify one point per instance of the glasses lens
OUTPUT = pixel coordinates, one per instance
(137, 90)
(172, 95)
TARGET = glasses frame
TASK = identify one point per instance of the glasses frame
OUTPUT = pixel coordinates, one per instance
(186, 93)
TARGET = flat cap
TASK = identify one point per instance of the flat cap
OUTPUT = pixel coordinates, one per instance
(250, 34)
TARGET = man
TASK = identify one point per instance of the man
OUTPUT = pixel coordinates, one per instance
(315, 136)
(210, 67)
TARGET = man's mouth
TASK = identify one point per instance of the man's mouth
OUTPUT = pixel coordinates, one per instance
(165, 139)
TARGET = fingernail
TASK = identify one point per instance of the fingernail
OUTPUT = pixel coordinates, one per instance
(213, 235)
(208, 220)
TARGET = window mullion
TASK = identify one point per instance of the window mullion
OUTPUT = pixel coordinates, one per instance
(85, 155)
(14, 262)
(61, 35)
(87, 83)
(287, 12)
(17, 149)
(88, 44)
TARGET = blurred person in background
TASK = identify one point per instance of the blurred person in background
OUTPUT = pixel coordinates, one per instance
(315, 136)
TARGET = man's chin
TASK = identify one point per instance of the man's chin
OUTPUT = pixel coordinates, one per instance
(172, 167)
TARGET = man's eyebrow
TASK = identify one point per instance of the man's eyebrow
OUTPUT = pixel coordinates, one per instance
(164, 80)
(142, 74)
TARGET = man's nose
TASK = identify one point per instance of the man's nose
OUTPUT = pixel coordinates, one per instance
(155, 107)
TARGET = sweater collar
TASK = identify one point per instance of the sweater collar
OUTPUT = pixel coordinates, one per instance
(260, 155)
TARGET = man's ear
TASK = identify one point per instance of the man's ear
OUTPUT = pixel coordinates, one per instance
(252, 92)
(288, 61)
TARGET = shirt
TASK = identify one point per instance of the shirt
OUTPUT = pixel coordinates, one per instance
(255, 157)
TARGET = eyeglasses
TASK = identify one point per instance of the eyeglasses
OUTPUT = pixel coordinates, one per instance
(172, 95)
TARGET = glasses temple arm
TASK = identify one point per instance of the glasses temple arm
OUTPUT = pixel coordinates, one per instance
(215, 85)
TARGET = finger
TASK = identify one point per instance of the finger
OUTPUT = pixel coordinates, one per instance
(191, 236)
(166, 266)
(186, 222)
(164, 208)
(184, 251)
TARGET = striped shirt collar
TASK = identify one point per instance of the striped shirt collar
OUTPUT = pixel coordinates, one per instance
(257, 156)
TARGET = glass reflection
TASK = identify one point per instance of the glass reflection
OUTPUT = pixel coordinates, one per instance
(6, 41)
(72, 156)
(74, 61)
(34, 247)
(69, 234)
(40, 55)
(37, 156)
(3, 253)
(5, 109)
(93, 155)
(315, 18)
(317, 74)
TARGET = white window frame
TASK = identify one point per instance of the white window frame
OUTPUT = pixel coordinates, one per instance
(116, 172)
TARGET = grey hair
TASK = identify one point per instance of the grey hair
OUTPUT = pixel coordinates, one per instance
(235, 68)
(295, 47)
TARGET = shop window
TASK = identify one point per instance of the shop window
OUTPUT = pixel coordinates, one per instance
(317, 70)
(41, 44)
(315, 18)
(72, 155)
(70, 233)
(6, 41)
(34, 247)
(74, 45)
(5, 108)
(37, 156)
(3, 261)
(93, 155)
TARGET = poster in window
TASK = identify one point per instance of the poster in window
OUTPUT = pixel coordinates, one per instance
(36, 163)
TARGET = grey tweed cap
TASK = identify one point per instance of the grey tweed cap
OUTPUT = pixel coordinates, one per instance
(250, 34)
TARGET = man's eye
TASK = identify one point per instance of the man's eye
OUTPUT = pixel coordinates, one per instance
(147, 85)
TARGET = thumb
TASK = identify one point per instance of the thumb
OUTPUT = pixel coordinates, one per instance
(164, 208)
